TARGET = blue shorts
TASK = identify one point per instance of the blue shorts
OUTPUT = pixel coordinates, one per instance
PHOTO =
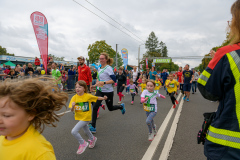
(187, 87)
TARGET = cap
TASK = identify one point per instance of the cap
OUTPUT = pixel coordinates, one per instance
(81, 57)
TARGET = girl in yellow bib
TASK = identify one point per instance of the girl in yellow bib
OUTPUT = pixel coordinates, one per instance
(25, 108)
(81, 105)
(172, 87)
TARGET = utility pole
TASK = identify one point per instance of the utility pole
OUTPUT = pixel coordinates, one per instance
(116, 56)
(139, 56)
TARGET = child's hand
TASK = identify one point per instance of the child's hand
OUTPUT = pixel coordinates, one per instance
(73, 104)
(105, 97)
(162, 96)
(72, 109)
(146, 98)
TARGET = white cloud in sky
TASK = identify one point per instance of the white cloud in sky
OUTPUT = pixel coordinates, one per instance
(187, 27)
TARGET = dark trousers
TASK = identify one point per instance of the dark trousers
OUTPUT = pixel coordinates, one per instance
(119, 88)
(133, 95)
(136, 86)
(172, 97)
(109, 103)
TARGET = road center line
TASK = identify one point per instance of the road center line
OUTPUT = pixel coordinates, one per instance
(59, 114)
(153, 146)
(168, 144)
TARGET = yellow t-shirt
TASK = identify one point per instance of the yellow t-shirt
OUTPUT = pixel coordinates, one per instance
(143, 86)
(158, 85)
(83, 109)
(172, 86)
(30, 146)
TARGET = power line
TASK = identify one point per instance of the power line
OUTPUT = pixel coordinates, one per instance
(105, 20)
(114, 20)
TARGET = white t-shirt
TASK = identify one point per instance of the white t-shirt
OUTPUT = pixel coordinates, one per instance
(135, 76)
(104, 75)
(153, 100)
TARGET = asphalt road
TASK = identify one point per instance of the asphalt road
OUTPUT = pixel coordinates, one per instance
(125, 137)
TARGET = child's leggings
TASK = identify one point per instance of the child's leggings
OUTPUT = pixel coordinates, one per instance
(173, 99)
(149, 120)
(76, 129)
(133, 95)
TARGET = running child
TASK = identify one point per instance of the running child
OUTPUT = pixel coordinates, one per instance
(172, 87)
(81, 105)
(132, 88)
(165, 85)
(158, 84)
(127, 88)
(148, 98)
(26, 108)
(121, 82)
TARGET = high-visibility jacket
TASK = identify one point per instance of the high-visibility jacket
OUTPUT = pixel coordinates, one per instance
(221, 81)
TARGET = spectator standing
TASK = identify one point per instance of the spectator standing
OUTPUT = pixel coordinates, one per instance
(23, 68)
(37, 62)
(29, 69)
(4, 67)
(164, 76)
(56, 74)
(84, 72)
(94, 76)
(7, 70)
(61, 67)
(147, 73)
(152, 74)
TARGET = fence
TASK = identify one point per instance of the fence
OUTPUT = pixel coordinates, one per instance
(67, 83)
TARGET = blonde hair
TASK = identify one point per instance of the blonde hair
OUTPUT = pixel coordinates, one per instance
(131, 81)
(234, 35)
(121, 68)
(83, 84)
(37, 98)
(152, 81)
(109, 60)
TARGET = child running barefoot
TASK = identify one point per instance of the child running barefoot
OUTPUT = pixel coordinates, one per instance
(172, 87)
(81, 104)
(148, 97)
(132, 88)
(26, 107)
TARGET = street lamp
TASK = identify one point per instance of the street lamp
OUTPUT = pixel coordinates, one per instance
(139, 56)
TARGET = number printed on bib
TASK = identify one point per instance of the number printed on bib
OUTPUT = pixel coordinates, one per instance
(149, 107)
(82, 106)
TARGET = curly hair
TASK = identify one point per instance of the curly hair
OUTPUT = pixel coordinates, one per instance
(37, 97)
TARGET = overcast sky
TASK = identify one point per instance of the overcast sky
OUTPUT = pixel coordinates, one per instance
(188, 27)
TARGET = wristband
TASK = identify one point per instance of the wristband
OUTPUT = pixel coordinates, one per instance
(104, 82)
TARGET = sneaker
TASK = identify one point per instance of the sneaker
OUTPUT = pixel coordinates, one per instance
(123, 108)
(103, 106)
(150, 136)
(92, 142)
(132, 103)
(155, 130)
(176, 102)
(92, 129)
(192, 92)
(184, 98)
(82, 147)
(174, 106)
(187, 99)
(119, 102)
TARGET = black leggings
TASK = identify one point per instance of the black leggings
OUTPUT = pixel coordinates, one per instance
(133, 95)
(172, 97)
(109, 103)
(120, 88)
(136, 86)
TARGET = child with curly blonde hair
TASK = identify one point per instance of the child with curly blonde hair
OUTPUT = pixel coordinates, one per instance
(26, 107)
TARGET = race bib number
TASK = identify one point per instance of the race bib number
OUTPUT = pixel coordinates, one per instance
(149, 107)
(157, 84)
(132, 90)
(171, 85)
(82, 106)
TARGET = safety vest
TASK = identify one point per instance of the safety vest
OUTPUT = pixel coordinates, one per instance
(222, 136)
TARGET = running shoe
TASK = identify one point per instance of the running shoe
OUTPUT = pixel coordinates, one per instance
(92, 142)
(92, 129)
(184, 98)
(187, 99)
(155, 130)
(174, 106)
(123, 108)
(176, 102)
(132, 103)
(82, 147)
(119, 102)
(150, 136)
(103, 106)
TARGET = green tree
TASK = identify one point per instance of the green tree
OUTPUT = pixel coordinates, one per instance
(3, 51)
(95, 49)
(152, 43)
(55, 58)
(163, 49)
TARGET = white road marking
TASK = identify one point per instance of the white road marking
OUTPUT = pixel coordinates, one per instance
(59, 114)
(168, 144)
(153, 146)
